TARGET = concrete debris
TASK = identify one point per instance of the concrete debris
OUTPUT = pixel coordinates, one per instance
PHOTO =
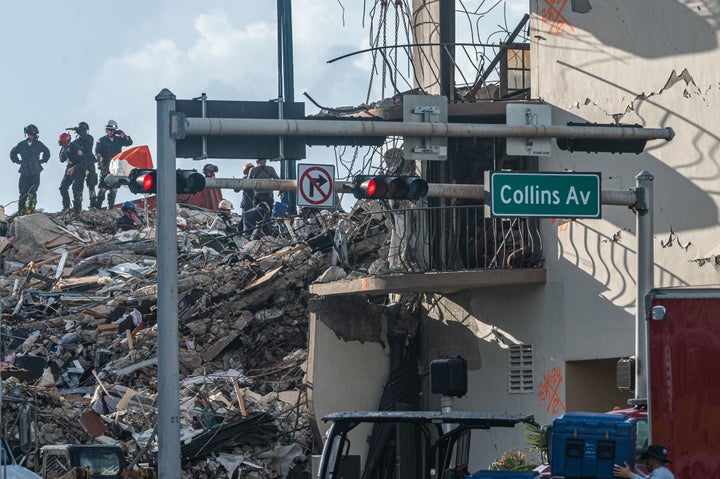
(79, 335)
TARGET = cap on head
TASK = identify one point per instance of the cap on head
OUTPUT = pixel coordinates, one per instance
(128, 206)
(31, 130)
(210, 168)
(656, 451)
(83, 127)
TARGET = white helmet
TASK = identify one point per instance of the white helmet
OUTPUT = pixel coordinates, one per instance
(225, 205)
(111, 125)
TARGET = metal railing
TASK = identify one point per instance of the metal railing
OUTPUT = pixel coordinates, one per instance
(456, 238)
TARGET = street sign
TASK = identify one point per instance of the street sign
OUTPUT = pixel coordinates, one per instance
(551, 195)
(315, 185)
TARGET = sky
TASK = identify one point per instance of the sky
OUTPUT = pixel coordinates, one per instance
(67, 62)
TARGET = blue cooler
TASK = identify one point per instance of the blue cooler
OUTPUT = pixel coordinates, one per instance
(503, 475)
(588, 444)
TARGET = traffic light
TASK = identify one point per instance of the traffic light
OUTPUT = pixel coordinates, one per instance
(385, 187)
(142, 181)
(145, 181)
(189, 181)
(605, 145)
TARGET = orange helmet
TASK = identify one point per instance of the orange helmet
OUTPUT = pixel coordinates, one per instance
(64, 139)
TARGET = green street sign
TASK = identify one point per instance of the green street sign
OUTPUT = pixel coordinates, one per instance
(551, 195)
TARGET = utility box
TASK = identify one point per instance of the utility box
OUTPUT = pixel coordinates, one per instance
(589, 444)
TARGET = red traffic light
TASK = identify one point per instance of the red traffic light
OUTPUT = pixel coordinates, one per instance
(384, 187)
(142, 181)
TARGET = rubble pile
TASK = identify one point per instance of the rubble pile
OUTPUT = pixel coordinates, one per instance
(79, 325)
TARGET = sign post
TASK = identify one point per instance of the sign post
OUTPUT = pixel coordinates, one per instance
(551, 195)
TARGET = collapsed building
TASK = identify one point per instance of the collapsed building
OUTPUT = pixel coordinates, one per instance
(80, 335)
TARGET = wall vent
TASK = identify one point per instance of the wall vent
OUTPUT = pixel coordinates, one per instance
(521, 369)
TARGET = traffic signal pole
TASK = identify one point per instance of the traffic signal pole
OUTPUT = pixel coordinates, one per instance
(169, 463)
(184, 126)
(435, 190)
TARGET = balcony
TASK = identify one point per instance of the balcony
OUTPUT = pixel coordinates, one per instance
(441, 249)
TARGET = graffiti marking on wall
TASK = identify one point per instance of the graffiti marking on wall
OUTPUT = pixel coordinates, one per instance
(552, 16)
(548, 391)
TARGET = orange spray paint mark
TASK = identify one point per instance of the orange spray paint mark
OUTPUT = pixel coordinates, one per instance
(552, 16)
(548, 391)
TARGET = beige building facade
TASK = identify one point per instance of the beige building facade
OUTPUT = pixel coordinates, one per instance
(551, 347)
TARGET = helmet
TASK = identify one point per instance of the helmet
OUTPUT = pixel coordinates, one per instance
(111, 125)
(225, 205)
(64, 139)
(83, 127)
(31, 130)
(248, 165)
(128, 206)
(210, 168)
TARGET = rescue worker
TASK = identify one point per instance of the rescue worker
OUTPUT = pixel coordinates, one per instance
(128, 220)
(64, 140)
(106, 148)
(222, 221)
(78, 160)
(656, 457)
(260, 172)
(30, 154)
(88, 165)
(209, 170)
(247, 194)
(255, 222)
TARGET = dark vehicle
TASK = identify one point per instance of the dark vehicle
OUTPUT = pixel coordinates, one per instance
(106, 462)
(428, 444)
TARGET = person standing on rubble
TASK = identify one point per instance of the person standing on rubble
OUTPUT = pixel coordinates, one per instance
(262, 172)
(107, 147)
(66, 145)
(30, 154)
(77, 169)
(85, 167)
(247, 194)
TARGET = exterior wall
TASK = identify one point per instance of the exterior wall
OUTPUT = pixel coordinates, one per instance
(652, 62)
(344, 375)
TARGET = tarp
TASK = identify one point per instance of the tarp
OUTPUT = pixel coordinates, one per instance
(135, 157)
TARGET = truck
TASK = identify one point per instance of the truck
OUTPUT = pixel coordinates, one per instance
(682, 410)
(427, 444)
(683, 407)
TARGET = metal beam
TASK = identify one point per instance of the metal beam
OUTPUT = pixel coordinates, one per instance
(184, 126)
(435, 190)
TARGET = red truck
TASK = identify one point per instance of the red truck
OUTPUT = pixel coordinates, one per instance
(684, 379)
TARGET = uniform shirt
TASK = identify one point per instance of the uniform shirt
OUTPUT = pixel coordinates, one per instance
(30, 155)
(76, 153)
(109, 146)
(86, 141)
